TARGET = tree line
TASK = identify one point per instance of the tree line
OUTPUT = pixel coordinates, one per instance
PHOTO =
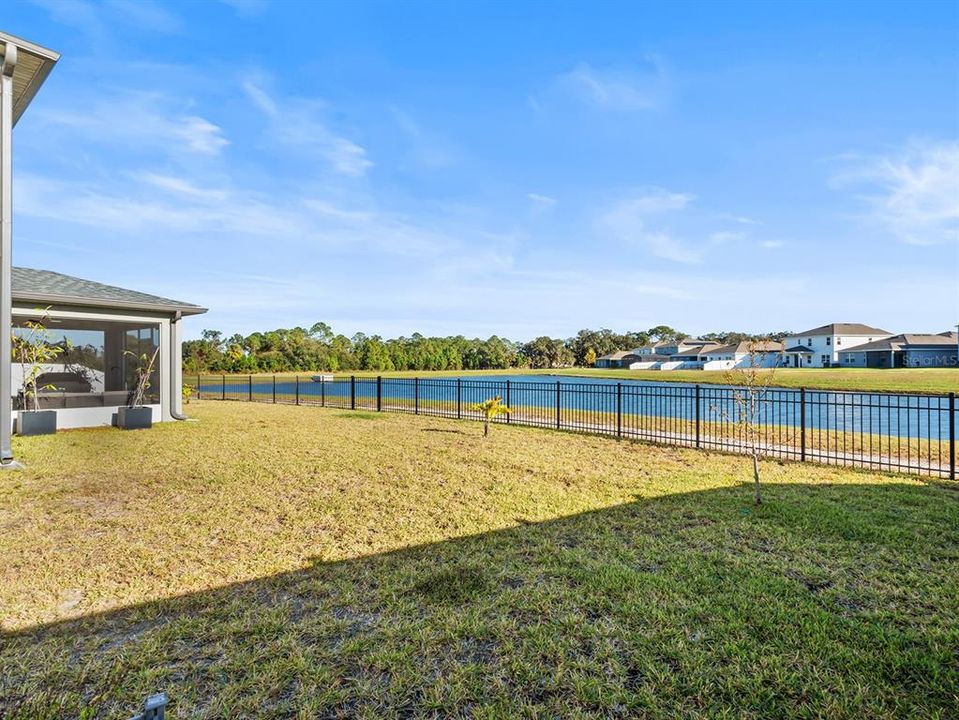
(319, 349)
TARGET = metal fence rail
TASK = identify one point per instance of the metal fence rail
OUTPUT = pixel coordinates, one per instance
(881, 431)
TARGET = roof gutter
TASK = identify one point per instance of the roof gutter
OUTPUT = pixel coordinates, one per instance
(96, 302)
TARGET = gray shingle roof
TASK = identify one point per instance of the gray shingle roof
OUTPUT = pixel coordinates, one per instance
(45, 286)
(843, 329)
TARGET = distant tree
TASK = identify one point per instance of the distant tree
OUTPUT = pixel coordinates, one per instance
(664, 333)
(590, 357)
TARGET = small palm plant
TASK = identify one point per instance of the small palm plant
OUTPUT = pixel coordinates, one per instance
(491, 409)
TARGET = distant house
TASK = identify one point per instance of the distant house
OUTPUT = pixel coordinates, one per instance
(104, 331)
(915, 350)
(621, 359)
(820, 347)
(764, 354)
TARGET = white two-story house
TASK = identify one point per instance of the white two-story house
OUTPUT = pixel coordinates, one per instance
(820, 347)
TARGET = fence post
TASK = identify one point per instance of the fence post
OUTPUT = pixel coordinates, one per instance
(222, 387)
(249, 396)
(509, 414)
(619, 409)
(297, 389)
(416, 396)
(557, 405)
(323, 394)
(697, 414)
(352, 392)
(198, 386)
(274, 389)
(952, 436)
(379, 393)
(459, 398)
(802, 424)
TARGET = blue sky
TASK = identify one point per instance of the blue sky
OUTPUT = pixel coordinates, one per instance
(508, 168)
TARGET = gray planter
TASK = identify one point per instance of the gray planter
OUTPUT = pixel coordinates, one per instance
(135, 418)
(37, 422)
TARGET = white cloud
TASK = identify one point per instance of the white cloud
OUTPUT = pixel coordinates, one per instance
(725, 236)
(298, 123)
(427, 149)
(741, 219)
(629, 220)
(619, 89)
(771, 244)
(913, 194)
(181, 186)
(246, 8)
(141, 120)
(145, 14)
(541, 203)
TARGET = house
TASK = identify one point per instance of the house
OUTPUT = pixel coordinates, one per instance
(820, 347)
(620, 359)
(762, 353)
(103, 331)
(687, 354)
(915, 350)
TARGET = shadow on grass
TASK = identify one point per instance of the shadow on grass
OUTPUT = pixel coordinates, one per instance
(828, 600)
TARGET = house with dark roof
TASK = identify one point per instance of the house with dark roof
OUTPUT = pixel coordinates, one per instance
(915, 350)
(103, 332)
(820, 347)
(621, 359)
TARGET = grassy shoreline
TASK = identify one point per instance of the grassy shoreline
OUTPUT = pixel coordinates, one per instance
(906, 380)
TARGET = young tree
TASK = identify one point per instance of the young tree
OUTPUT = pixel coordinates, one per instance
(750, 384)
(590, 358)
(491, 409)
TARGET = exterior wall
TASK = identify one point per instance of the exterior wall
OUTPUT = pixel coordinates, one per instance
(645, 365)
(931, 357)
(681, 365)
(853, 359)
(170, 374)
(741, 360)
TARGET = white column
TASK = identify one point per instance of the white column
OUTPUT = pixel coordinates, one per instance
(176, 365)
(165, 373)
(6, 244)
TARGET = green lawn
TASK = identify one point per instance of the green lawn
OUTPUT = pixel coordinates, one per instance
(278, 561)
(922, 380)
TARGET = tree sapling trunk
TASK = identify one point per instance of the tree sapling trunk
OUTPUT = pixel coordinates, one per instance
(759, 497)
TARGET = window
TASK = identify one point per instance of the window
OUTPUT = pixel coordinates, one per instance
(829, 341)
(839, 341)
(96, 365)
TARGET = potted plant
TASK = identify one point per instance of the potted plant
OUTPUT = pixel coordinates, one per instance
(136, 415)
(33, 352)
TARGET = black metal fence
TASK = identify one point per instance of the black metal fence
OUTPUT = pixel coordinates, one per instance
(881, 431)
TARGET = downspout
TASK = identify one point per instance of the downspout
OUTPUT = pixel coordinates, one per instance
(176, 361)
(8, 62)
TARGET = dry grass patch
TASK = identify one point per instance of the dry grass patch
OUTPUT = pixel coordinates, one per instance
(277, 561)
